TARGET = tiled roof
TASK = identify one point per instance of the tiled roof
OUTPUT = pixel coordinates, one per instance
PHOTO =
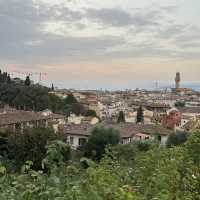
(130, 129)
(25, 116)
(126, 130)
(83, 129)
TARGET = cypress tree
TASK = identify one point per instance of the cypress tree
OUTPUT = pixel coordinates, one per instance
(140, 115)
(121, 117)
(27, 81)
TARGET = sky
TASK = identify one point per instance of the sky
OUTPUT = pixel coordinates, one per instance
(93, 44)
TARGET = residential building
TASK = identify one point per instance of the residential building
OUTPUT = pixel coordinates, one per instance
(20, 119)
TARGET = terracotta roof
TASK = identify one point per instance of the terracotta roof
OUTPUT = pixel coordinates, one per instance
(83, 129)
(126, 130)
(129, 129)
(24, 116)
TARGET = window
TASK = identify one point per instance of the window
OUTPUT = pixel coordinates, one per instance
(71, 140)
(82, 141)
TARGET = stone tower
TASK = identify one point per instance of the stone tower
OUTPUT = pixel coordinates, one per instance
(178, 80)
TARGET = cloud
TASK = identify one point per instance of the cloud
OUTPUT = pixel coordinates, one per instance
(92, 34)
(120, 18)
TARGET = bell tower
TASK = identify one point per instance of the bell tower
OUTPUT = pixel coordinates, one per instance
(177, 80)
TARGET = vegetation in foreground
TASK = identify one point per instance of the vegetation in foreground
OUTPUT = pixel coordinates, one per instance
(139, 171)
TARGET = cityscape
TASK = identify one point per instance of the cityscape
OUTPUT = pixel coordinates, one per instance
(99, 100)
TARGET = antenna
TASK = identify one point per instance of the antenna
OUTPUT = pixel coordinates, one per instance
(40, 74)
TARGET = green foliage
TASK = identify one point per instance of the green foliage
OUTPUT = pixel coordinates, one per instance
(143, 145)
(27, 82)
(4, 77)
(55, 103)
(52, 87)
(91, 113)
(57, 153)
(4, 146)
(121, 117)
(124, 173)
(140, 115)
(70, 99)
(124, 153)
(99, 139)
(171, 173)
(193, 147)
(71, 105)
(177, 138)
(24, 97)
(180, 104)
(30, 146)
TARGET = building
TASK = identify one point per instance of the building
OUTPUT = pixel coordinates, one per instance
(73, 119)
(171, 119)
(20, 119)
(157, 107)
(177, 80)
(77, 135)
(178, 89)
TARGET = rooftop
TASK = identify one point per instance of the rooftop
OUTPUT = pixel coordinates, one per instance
(21, 116)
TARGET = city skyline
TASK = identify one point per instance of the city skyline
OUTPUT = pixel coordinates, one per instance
(101, 44)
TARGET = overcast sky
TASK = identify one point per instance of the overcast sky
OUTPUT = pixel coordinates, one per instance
(101, 43)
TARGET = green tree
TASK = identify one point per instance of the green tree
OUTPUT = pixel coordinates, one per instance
(30, 146)
(70, 99)
(140, 115)
(52, 87)
(121, 117)
(176, 139)
(27, 81)
(91, 113)
(55, 103)
(180, 104)
(99, 139)
(77, 109)
(4, 146)
(57, 154)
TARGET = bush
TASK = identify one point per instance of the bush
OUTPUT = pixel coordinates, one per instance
(31, 145)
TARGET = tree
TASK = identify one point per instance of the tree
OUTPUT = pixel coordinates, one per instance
(193, 148)
(57, 154)
(77, 109)
(176, 139)
(121, 117)
(27, 81)
(55, 103)
(91, 113)
(140, 115)
(180, 104)
(30, 146)
(8, 79)
(4, 147)
(52, 87)
(99, 139)
(70, 99)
